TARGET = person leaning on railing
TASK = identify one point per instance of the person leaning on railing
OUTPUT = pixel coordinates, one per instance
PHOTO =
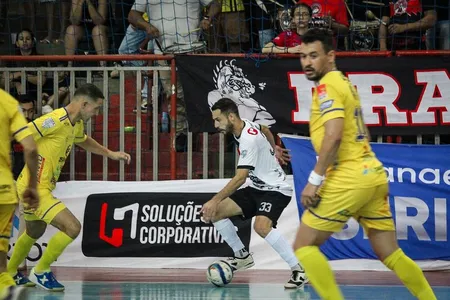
(404, 24)
(25, 46)
(289, 41)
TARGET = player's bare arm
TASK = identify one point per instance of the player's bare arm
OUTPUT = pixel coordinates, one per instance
(91, 145)
(209, 209)
(281, 154)
(30, 196)
(327, 155)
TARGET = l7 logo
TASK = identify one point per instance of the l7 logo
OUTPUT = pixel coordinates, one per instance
(116, 238)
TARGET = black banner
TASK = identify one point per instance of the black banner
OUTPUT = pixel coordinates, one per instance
(153, 225)
(399, 95)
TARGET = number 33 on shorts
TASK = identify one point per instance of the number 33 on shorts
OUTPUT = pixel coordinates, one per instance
(265, 206)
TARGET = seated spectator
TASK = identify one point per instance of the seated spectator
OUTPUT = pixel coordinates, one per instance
(406, 22)
(88, 16)
(48, 95)
(331, 14)
(25, 45)
(289, 41)
(438, 37)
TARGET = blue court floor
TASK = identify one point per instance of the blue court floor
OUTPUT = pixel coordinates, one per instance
(131, 290)
(162, 284)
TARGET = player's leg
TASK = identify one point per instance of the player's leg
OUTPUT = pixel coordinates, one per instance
(317, 225)
(6, 216)
(376, 218)
(69, 227)
(269, 209)
(34, 229)
(236, 205)
(22, 228)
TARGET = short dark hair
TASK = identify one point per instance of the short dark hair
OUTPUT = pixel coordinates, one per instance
(90, 91)
(25, 98)
(301, 4)
(322, 35)
(226, 106)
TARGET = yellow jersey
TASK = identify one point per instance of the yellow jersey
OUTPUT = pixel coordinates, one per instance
(55, 135)
(356, 166)
(13, 125)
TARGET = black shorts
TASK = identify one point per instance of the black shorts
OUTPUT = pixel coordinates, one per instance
(255, 202)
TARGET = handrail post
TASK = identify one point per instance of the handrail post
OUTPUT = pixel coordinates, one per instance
(173, 123)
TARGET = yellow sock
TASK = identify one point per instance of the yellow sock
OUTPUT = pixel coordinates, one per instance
(21, 250)
(410, 274)
(319, 272)
(5, 282)
(55, 247)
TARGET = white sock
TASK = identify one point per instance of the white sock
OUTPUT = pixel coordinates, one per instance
(279, 244)
(226, 229)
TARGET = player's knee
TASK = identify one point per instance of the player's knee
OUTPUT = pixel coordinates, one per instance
(73, 228)
(35, 229)
(262, 226)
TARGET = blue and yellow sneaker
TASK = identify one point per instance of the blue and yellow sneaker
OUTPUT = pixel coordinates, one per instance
(22, 280)
(46, 281)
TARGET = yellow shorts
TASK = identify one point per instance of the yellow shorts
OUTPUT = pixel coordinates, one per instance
(369, 206)
(6, 220)
(49, 207)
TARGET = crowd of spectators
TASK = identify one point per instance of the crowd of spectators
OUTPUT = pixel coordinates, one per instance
(213, 26)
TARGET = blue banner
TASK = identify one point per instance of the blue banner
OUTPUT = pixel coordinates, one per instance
(419, 177)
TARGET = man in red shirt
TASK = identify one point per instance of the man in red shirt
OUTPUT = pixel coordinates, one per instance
(406, 21)
(329, 14)
(289, 41)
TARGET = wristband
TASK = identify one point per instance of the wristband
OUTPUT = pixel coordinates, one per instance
(315, 179)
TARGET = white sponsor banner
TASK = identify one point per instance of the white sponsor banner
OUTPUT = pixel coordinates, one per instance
(75, 193)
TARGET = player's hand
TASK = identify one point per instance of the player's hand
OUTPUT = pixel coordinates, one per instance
(120, 156)
(309, 196)
(396, 28)
(30, 199)
(282, 155)
(209, 210)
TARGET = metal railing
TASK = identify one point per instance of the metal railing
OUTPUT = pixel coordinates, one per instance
(223, 162)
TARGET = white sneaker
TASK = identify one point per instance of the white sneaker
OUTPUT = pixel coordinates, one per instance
(241, 263)
(298, 280)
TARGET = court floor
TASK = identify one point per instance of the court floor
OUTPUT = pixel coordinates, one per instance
(161, 284)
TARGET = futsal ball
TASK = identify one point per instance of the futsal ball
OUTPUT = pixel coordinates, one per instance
(219, 273)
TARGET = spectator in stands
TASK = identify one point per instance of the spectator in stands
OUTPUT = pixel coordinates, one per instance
(25, 45)
(330, 14)
(30, 11)
(406, 21)
(289, 41)
(438, 37)
(173, 22)
(229, 32)
(136, 41)
(88, 16)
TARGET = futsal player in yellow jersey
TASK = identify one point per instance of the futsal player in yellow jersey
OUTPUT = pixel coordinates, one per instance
(347, 181)
(13, 126)
(55, 133)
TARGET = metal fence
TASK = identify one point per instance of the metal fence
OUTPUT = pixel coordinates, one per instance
(154, 156)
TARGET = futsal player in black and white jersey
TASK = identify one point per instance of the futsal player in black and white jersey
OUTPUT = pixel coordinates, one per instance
(266, 197)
